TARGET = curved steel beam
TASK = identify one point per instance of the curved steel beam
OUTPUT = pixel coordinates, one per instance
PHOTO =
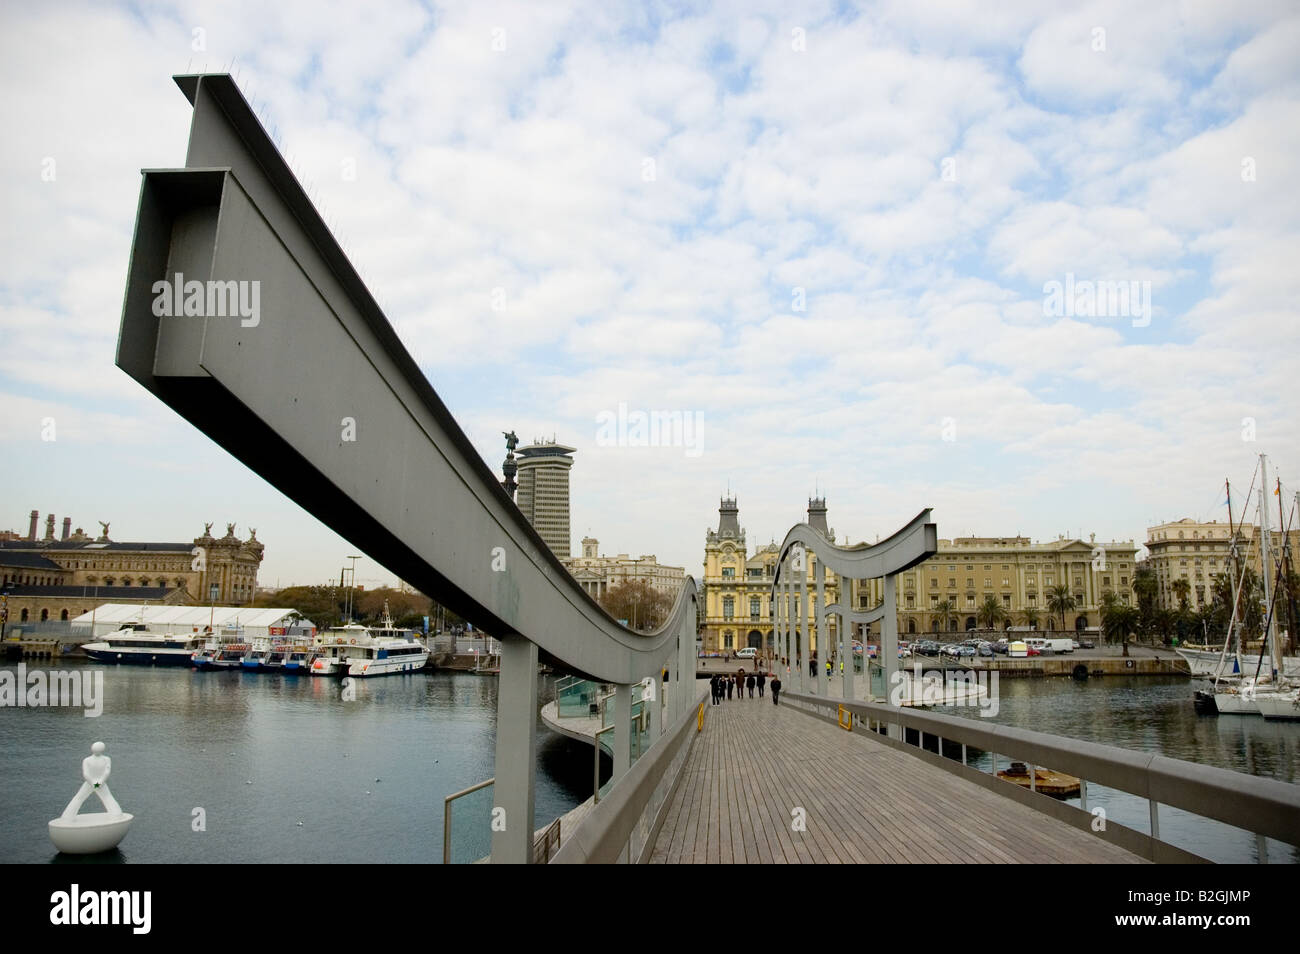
(317, 394)
(913, 544)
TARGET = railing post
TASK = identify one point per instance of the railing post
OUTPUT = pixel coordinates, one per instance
(823, 628)
(801, 581)
(889, 638)
(846, 600)
(516, 752)
(1083, 794)
(652, 708)
(622, 730)
(1155, 819)
(1262, 844)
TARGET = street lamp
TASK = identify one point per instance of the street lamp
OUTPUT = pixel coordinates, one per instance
(353, 587)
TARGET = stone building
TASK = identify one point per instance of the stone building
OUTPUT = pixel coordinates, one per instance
(59, 579)
(736, 606)
(598, 574)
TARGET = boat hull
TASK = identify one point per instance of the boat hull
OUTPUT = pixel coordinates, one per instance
(141, 657)
(1206, 663)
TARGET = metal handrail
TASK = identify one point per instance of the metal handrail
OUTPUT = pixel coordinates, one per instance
(604, 833)
(1263, 806)
(446, 815)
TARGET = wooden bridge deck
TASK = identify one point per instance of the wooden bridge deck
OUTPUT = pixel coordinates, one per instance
(864, 801)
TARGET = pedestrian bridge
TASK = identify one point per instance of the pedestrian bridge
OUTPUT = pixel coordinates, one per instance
(312, 389)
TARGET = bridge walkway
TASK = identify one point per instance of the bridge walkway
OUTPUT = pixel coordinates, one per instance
(863, 801)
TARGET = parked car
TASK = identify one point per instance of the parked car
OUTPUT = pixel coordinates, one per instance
(1087, 644)
(966, 650)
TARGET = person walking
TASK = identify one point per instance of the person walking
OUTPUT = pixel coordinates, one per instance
(713, 688)
(776, 688)
(749, 684)
(812, 667)
(740, 683)
(729, 685)
(762, 680)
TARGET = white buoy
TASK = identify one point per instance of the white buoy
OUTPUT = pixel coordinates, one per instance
(93, 832)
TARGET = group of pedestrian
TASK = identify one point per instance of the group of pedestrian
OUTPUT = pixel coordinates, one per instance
(725, 686)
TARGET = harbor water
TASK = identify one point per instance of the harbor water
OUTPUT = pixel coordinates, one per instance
(1153, 714)
(277, 768)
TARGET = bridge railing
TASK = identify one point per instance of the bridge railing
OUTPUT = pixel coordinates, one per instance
(1264, 807)
(621, 827)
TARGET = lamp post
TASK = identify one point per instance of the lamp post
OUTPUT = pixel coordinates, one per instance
(352, 588)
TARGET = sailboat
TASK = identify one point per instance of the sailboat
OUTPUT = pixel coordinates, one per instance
(1251, 690)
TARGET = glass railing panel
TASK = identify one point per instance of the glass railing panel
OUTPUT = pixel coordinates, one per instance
(467, 824)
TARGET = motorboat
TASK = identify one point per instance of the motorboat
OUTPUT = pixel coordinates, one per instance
(135, 644)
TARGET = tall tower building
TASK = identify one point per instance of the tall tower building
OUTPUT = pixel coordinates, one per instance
(543, 493)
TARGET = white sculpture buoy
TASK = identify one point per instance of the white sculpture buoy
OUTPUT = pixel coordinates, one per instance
(95, 831)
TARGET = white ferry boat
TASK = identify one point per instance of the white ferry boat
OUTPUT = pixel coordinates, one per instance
(388, 651)
(329, 657)
(134, 644)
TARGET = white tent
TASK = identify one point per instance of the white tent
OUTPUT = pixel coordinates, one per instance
(111, 617)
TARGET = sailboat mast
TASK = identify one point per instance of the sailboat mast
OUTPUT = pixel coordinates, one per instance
(1233, 623)
(1266, 562)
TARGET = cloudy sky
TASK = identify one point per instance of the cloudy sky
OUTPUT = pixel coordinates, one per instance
(827, 235)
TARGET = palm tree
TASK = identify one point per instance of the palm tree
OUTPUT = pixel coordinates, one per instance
(945, 611)
(1182, 589)
(990, 612)
(1029, 617)
(1120, 620)
(1060, 601)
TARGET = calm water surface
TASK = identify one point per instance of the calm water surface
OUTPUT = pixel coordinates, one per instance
(261, 753)
(1155, 714)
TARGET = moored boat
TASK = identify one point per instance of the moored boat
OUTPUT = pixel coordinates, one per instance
(134, 644)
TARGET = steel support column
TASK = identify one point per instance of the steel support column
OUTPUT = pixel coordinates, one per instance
(516, 752)
(622, 730)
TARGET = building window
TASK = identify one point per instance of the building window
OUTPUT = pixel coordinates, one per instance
(728, 607)
(753, 607)
(934, 582)
(728, 572)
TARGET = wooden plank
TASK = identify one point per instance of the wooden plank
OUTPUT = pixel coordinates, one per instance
(865, 802)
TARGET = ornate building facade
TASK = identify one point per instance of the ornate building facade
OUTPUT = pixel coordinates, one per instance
(59, 579)
(736, 609)
(1018, 573)
(598, 574)
(1198, 552)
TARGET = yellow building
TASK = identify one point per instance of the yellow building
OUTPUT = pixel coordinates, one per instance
(1018, 573)
(1197, 552)
(736, 608)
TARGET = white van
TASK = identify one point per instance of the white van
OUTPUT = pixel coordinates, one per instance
(1017, 649)
(749, 652)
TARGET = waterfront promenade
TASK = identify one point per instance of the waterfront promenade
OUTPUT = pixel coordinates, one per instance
(755, 764)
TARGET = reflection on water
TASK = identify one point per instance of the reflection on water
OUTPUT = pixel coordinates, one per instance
(1154, 714)
(283, 768)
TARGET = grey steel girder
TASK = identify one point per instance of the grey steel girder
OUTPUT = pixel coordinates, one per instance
(319, 396)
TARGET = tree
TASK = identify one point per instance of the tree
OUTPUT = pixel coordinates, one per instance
(1060, 601)
(1118, 620)
(945, 611)
(1146, 587)
(990, 612)
(1029, 617)
(1182, 589)
(644, 607)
